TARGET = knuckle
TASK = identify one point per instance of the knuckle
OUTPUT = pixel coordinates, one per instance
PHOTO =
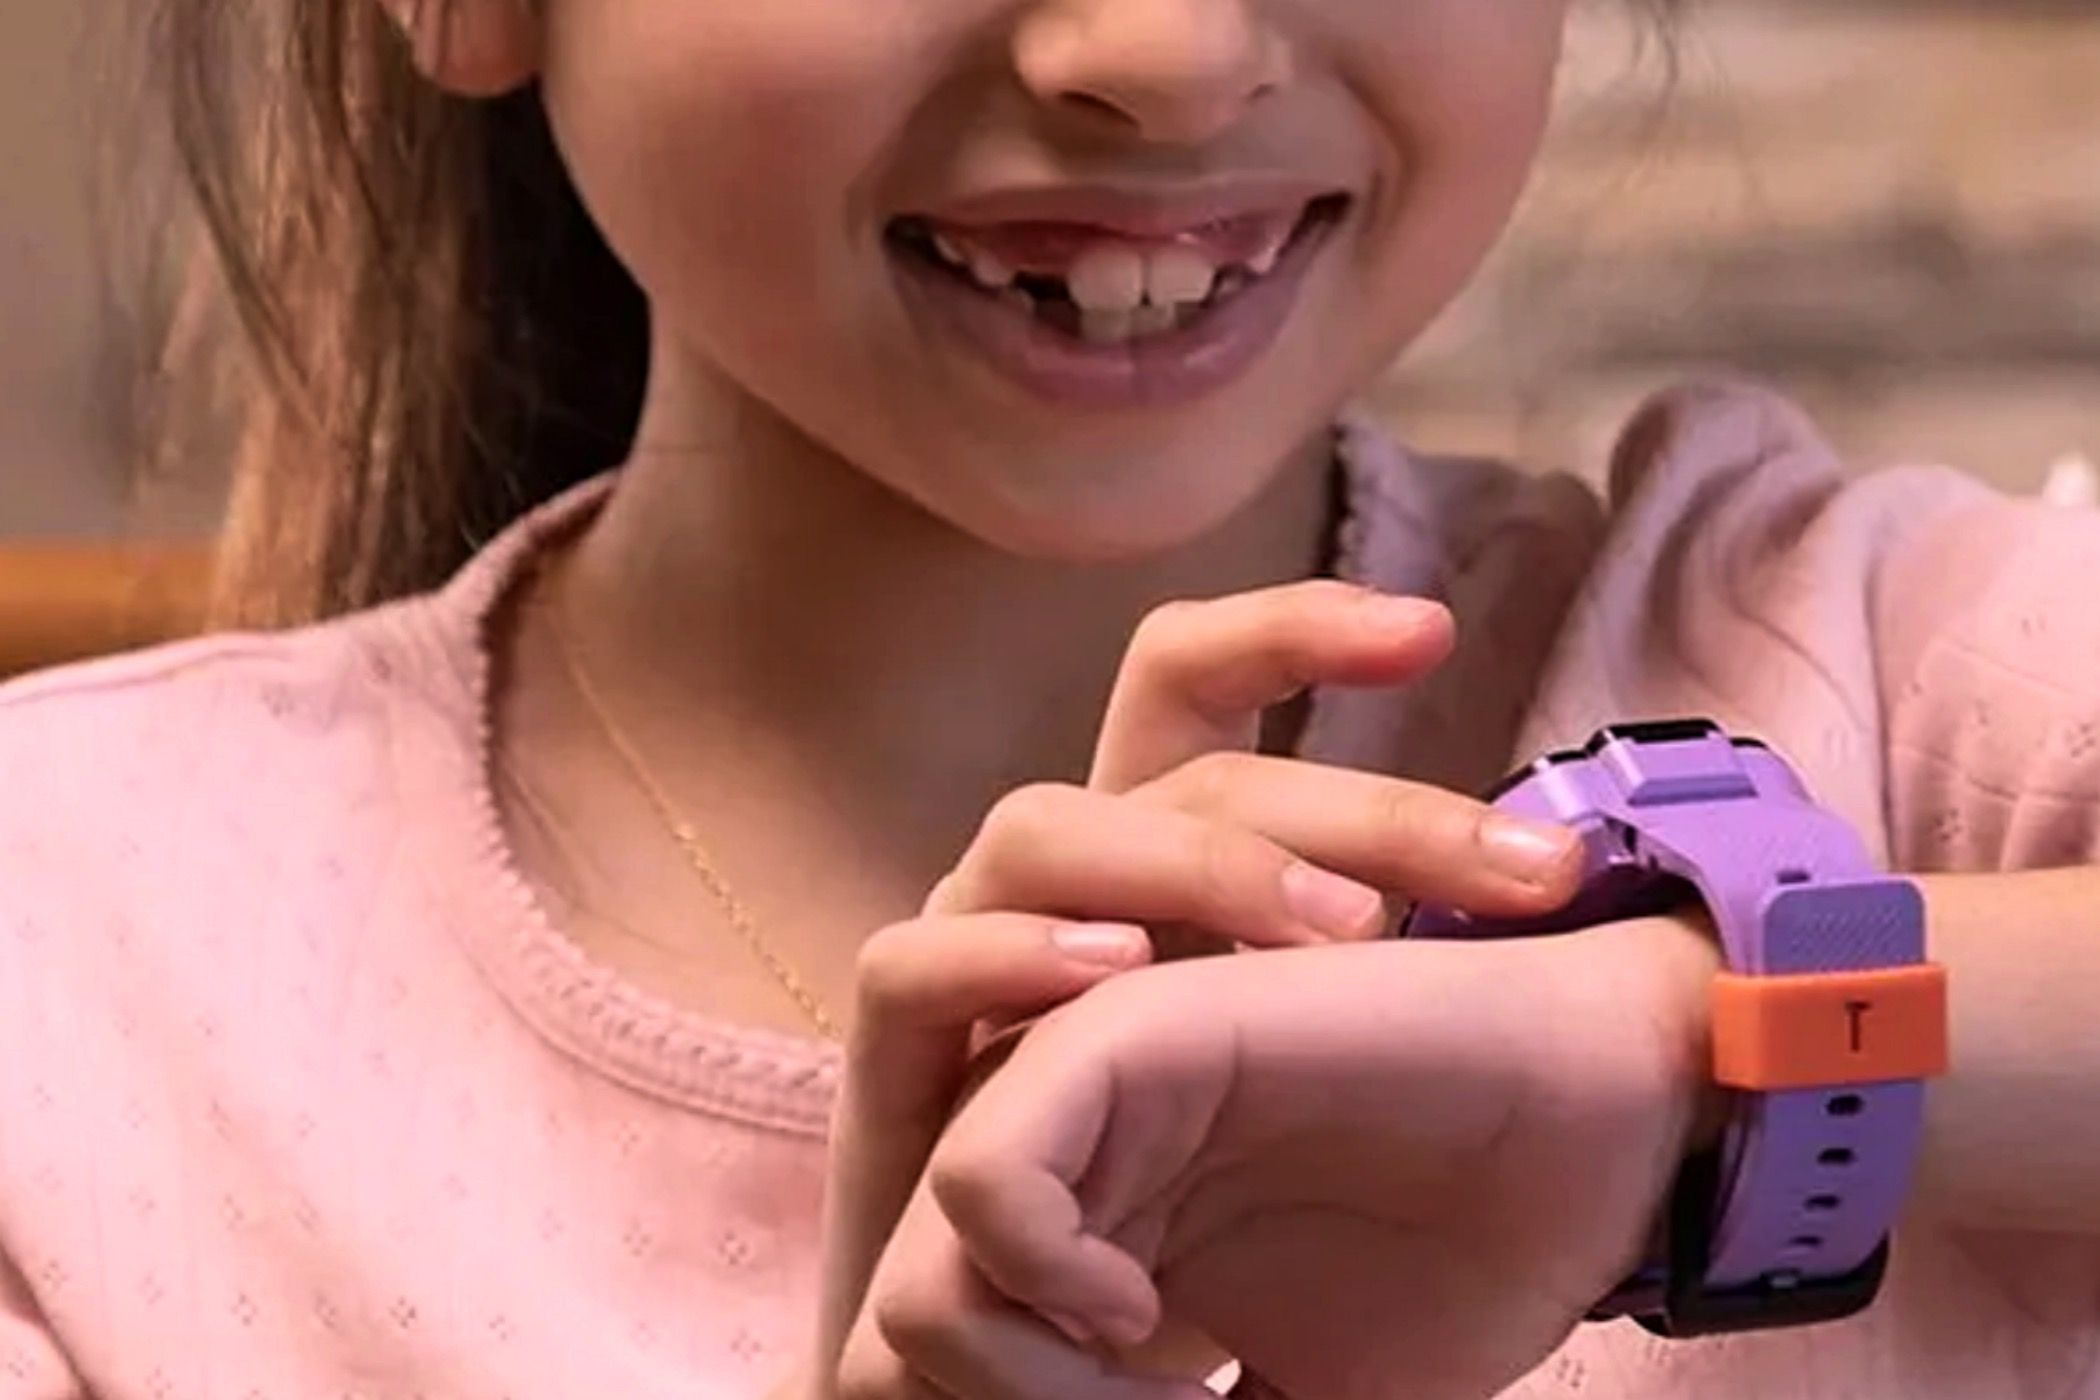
(1397, 808)
(1012, 832)
(1462, 823)
(1218, 874)
(959, 1180)
(1164, 631)
(867, 1371)
(946, 896)
(1029, 809)
(910, 1318)
(880, 969)
(1420, 817)
(1206, 783)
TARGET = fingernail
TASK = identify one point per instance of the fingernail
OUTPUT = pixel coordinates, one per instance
(1525, 850)
(1105, 945)
(1388, 613)
(1072, 1327)
(1333, 904)
(1126, 1329)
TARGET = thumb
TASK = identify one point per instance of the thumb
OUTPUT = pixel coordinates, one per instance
(922, 986)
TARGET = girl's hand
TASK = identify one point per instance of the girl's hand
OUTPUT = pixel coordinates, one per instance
(1179, 829)
(1406, 1168)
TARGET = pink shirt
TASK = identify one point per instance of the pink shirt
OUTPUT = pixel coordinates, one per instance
(303, 1098)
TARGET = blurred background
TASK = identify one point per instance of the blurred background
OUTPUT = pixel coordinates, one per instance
(1890, 208)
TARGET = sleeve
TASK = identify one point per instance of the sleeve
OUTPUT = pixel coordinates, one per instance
(1989, 657)
(31, 1365)
(1925, 649)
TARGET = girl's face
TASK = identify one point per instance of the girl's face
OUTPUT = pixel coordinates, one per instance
(1075, 275)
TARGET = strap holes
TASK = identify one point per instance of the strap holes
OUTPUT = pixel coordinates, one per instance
(1834, 1157)
(1793, 875)
(1822, 1204)
(1803, 1244)
(1845, 1106)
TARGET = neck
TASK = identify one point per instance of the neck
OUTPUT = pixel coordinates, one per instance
(751, 589)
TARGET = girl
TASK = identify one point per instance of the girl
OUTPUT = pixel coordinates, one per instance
(436, 999)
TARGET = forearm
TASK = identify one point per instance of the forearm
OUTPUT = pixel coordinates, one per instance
(2013, 1132)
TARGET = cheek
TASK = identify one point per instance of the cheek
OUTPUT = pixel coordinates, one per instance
(1463, 91)
(1482, 109)
(1455, 65)
(724, 147)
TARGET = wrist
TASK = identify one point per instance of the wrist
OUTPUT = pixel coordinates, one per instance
(1683, 952)
(1825, 1024)
(1668, 963)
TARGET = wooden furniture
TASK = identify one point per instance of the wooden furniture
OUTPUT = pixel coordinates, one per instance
(68, 601)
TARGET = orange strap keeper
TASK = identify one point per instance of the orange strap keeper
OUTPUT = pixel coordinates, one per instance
(1827, 1028)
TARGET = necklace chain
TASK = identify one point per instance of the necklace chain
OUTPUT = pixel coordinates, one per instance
(689, 843)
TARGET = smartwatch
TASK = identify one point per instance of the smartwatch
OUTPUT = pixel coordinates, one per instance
(1826, 1020)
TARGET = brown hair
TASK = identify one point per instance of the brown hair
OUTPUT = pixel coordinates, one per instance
(434, 335)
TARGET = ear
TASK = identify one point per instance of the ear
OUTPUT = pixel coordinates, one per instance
(475, 48)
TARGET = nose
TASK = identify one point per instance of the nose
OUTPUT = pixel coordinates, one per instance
(1168, 71)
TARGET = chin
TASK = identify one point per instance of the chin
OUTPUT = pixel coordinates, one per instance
(1122, 518)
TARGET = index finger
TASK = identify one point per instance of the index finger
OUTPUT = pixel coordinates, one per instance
(1198, 675)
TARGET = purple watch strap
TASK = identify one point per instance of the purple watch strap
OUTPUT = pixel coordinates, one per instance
(1832, 1166)
(1807, 1182)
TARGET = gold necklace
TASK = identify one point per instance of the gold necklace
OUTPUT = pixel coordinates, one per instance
(688, 839)
(559, 834)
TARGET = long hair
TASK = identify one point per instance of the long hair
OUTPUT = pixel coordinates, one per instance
(433, 335)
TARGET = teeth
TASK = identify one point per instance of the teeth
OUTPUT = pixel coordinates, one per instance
(1121, 292)
(1118, 326)
(1105, 327)
(1153, 320)
(1107, 278)
(1178, 277)
(989, 271)
(1264, 261)
(1111, 277)
(1116, 277)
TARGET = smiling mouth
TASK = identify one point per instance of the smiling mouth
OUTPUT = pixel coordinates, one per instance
(1095, 287)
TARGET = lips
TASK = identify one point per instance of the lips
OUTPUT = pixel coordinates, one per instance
(1137, 211)
(1118, 296)
(1122, 275)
